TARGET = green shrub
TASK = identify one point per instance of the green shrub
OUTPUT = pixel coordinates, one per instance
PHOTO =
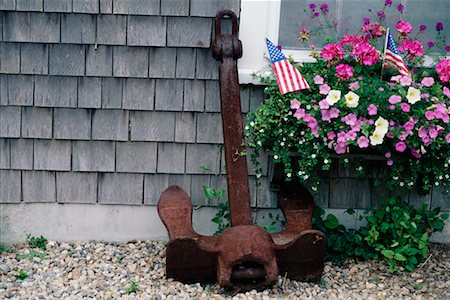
(400, 233)
(36, 242)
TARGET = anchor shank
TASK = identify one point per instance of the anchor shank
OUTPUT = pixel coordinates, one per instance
(233, 135)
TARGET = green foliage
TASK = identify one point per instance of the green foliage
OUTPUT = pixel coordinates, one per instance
(342, 243)
(3, 249)
(222, 216)
(132, 287)
(396, 232)
(400, 233)
(275, 223)
(36, 242)
(32, 254)
(21, 274)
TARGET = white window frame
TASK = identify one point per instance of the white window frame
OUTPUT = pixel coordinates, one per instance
(260, 19)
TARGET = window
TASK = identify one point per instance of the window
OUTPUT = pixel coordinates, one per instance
(282, 20)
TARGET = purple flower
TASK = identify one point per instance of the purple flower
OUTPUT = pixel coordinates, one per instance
(279, 47)
(429, 115)
(324, 8)
(422, 27)
(427, 81)
(390, 162)
(318, 79)
(446, 91)
(415, 153)
(381, 15)
(316, 14)
(447, 48)
(395, 99)
(312, 6)
(331, 135)
(363, 142)
(400, 7)
(447, 138)
(388, 2)
(400, 147)
(323, 104)
(388, 155)
(391, 107)
(430, 44)
(324, 89)
(439, 26)
(354, 86)
(405, 107)
(366, 21)
(372, 110)
(295, 104)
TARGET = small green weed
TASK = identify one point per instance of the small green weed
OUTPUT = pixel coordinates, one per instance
(32, 254)
(36, 242)
(4, 249)
(132, 288)
(222, 217)
(21, 274)
(418, 287)
(275, 223)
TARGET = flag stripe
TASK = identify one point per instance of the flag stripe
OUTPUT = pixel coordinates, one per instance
(392, 55)
(288, 77)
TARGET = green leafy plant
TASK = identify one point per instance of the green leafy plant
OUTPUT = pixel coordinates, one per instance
(21, 274)
(4, 249)
(132, 287)
(396, 231)
(342, 243)
(36, 242)
(275, 223)
(400, 233)
(32, 254)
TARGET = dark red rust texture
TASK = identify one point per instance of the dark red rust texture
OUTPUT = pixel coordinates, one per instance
(227, 49)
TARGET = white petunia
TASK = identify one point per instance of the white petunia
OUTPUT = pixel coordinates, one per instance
(381, 125)
(351, 100)
(413, 95)
(333, 97)
(376, 138)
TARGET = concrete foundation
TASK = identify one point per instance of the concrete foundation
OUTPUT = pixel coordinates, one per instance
(68, 222)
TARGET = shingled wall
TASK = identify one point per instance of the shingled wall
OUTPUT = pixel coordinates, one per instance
(111, 101)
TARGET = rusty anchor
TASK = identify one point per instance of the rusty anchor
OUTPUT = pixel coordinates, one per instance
(244, 256)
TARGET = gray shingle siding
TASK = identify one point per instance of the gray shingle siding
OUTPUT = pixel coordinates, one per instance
(111, 101)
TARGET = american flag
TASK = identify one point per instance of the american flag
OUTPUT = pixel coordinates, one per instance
(288, 77)
(392, 55)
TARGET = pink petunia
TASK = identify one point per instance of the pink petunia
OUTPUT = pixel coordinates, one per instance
(372, 110)
(331, 135)
(323, 104)
(324, 89)
(387, 154)
(429, 115)
(405, 81)
(354, 86)
(331, 52)
(427, 81)
(400, 147)
(447, 138)
(395, 99)
(299, 113)
(405, 107)
(390, 162)
(433, 133)
(391, 107)
(415, 153)
(363, 142)
(295, 104)
(446, 91)
(443, 70)
(318, 79)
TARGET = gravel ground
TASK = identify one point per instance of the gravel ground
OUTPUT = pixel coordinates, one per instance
(97, 270)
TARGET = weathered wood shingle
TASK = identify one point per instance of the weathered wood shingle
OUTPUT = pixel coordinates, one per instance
(86, 6)
(152, 126)
(171, 158)
(11, 186)
(130, 62)
(185, 66)
(72, 124)
(52, 155)
(9, 58)
(98, 60)
(112, 92)
(146, 31)
(120, 188)
(7, 4)
(202, 159)
(10, 121)
(20, 90)
(111, 30)
(162, 63)
(209, 8)
(72, 187)
(185, 127)
(110, 125)
(31, 27)
(136, 7)
(78, 29)
(22, 154)
(66, 60)
(58, 5)
(136, 157)
(39, 186)
(29, 5)
(36, 122)
(209, 128)
(5, 154)
(93, 156)
(55, 91)
(34, 59)
(139, 94)
(194, 95)
(89, 92)
(154, 185)
(189, 32)
(175, 7)
(207, 67)
(169, 94)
